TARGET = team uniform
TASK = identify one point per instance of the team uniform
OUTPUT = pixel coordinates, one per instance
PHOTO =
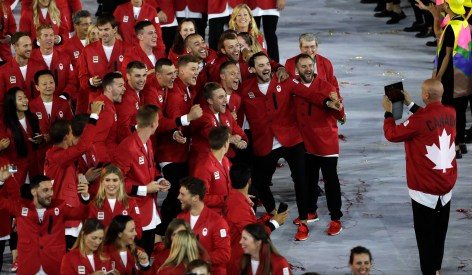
(27, 24)
(9, 28)
(126, 111)
(128, 266)
(105, 138)
(75, 263)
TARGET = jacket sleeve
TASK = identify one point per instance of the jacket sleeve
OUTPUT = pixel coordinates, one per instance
(11, 22)
(402, 132)
(72, 82)
(77, 213)
(301, 90)
(221, 253)
(84, 74)
(135, 214)
(71, 154)
(12, 203)
(124, 114)
(67, 267)
(212, 201)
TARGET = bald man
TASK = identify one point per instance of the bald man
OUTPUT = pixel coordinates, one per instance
(431, 169)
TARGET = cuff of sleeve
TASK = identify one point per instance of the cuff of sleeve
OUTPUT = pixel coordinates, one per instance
(85, 198)
(388, 114)
(1, 183)
(65, 96)
(91, 82)
(159, 179)
(325, 103)
(184, 120)
(142, 190)
(275, 223)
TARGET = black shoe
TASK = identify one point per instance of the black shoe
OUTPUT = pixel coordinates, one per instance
(426, 32)
(384, 13)
(380, 6)
(368, 1)
(458, 154)
(463, 148)
(432, 43)
(396, 17)
(414, 28)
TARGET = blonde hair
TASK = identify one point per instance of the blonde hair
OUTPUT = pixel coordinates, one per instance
(89, 31)
(101, 194)
(90, 226)
(53, 11)
(253, 30)
(184, 249)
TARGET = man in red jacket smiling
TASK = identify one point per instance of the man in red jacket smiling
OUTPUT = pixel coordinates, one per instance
(431, 168)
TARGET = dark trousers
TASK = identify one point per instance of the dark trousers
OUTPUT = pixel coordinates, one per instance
(171, 207)
(269, 24)
(328, 166)
(201, 24)
(147, 241)
(216, 29)
(2, 249)
(430, 230)
(460, 105)
(264, 168)
(168, 34)
(70, 241)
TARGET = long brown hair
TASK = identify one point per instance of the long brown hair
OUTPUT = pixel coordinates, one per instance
(117, 226)
(121, 194)
(90, 226)
(259, 233)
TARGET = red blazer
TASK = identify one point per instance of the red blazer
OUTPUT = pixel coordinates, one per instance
(178, 104)
(318, 123)
(213, 233)
(64, 74)
(10, 76)
(9, 191)
(74, 263)
(60, 166)
(194, 6)
(167, 7)
(323, 67)
(124, 16)
(105, 137)
(93, 61)
(273, 115)
(9, 28)
(105, 214)
(139, 169)
(60, 110)
(67, 8)
(217, 180)
(73, 48)
(201, 127)
(41, 244)
(266, 4)
(84, 165)
(117, 263)
(126, 112)
(218, 6)
(27, 24)
(234, 104)
(279, 266)
(427, 130)
(25, 165)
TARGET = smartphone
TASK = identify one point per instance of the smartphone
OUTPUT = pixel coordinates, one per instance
(394, 92)
(12, 168)
(282, 207)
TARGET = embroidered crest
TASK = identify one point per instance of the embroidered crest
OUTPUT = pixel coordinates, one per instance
(160, 98)
(13, 79)
(95, 59)
(24, 211)
(101, 215)
(156, 19)
(56, 211)
(227, 123)
(125, 19)
(121, 58)
(223, 233)
(125, 212)
(136, 209)
(61, 114)
(39, 115)
(61, 67)
(251, 95)
(76, 54)
(141, 160)
(204, 231)
(216, 175)
(185, 97)
(81, 269)
(296, 81)
(279, 89)
(116, 117)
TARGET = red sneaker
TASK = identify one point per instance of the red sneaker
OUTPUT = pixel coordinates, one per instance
(312, 217)
(302, 233)
(14, 267)
(334, 228)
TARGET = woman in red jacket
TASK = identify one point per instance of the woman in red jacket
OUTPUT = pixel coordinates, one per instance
(261, 257)
(7, 29)
(174, 226)
(112, 200)
(45, 12)
(185, 248)
(185, 27)
(242, 20)
(87, 257)
(119, 244)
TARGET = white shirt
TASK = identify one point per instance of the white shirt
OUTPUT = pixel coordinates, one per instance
(254, 266)
(92, 262)
(23, 70)
(84, 41)
(48, 59)
(48, 107)
(136, 11)
(108, 50)
(193, 220)
(112, 203)
(124, 257)
(152, 57)
(44, 12)
(40, 214)
(263, 88)
(23, 124)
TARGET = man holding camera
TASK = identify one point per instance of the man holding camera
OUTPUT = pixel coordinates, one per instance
(431, 168)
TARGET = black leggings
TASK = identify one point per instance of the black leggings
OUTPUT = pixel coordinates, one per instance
(168, 34)
(269, 23)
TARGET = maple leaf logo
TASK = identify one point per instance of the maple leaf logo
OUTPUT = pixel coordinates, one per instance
(443, 155)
